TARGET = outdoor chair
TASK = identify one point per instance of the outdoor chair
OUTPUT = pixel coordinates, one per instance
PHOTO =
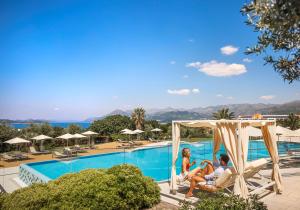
(153, 140)
(227, 179)
(8, 157)
(59, 155)
(77, 148)
(34, 152)
(121, 141)
(20, 156)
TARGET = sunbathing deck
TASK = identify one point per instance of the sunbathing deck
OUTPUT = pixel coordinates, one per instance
(100, 148)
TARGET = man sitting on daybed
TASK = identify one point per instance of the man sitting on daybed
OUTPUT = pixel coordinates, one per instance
(208, 174)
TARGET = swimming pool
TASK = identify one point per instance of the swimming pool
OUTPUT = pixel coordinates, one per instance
(154, 162)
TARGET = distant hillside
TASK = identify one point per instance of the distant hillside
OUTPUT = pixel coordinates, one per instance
(169, 114)
(22, 121)
(175, 115)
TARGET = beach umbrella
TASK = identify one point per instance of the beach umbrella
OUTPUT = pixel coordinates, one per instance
(156, 130)
(89, 134)
(125, 130)
(129, 132)
(66, 136)
(137, 131)
(17, 140)
(78, 136)
(41, 138)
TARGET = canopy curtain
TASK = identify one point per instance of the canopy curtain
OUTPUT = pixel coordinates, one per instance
(268, 132)
(217, 143)
(175, 148)
(236, 146)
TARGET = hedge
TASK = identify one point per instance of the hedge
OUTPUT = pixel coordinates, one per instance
(120, 187)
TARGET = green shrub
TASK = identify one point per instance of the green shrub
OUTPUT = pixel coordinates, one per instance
(221, 201)
(121, 187)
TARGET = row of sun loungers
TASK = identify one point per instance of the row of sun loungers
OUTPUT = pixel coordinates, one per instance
(13, 157)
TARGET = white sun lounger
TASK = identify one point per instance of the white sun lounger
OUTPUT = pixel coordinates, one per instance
(227, 179)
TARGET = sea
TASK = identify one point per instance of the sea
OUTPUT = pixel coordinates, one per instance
(83, 125)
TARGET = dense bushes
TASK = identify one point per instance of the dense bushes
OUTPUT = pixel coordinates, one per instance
(120, 187)
(220, 201)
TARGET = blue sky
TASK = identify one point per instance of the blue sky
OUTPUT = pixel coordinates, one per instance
(69, 60)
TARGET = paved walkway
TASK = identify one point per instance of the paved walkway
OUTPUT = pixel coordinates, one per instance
(290, 198)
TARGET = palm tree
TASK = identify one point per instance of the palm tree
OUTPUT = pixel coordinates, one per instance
(223, 114)
(138, 117)
(293, 121)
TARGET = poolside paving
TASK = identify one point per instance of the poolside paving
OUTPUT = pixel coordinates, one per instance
(288, 200)
(100, 149)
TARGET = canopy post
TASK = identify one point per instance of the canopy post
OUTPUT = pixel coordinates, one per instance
(175, 148)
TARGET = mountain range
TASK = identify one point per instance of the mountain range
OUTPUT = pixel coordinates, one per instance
(169, 114)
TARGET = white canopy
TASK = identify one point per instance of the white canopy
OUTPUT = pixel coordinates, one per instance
(137, 131)
(156, 130)
(125, 130)
(17, 140)
(255, 132)
(225, 131)
(65, 136)
(89, 133)
(78, 136)
(41, 137)
(130, 132)
(282, 130)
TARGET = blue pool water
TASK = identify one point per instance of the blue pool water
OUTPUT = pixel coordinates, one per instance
(154, 162)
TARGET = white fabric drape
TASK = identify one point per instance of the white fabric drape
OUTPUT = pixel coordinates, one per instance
(236, 147)
(175, 148)
(217, 143)
(269, 136)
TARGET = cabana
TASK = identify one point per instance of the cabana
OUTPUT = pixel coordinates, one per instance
(226, 132)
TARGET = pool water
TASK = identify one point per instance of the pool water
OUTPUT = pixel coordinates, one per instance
(154, 162)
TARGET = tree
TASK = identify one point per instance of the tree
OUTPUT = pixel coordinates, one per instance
(223, 114)
(57, 131)
(46, 129)
(6, 133)
(138, 117)
(293, 121)
(73, 128)
(278, 25)
(111, 125)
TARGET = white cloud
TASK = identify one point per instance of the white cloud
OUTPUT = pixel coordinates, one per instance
(115, 97)
(247, 60)
(195, 90)
(267, 97)
(196, 64)
(213, 68)
(56, 109)
(172, 62)
(182, 92)
(185, 76)
(219, 96)
(229, 50)
(230, 97)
